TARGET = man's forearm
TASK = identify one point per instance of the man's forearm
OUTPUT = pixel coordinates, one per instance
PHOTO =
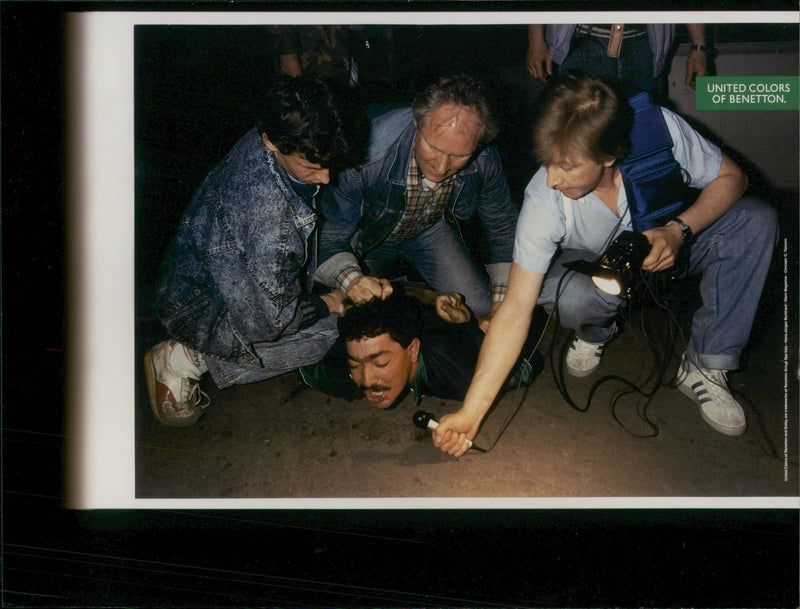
(499, 352)
(503, 342)
(424, 295)
(697, 33)
(717, 197)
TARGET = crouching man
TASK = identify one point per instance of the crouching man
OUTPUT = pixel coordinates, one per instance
(234, 287)
(575, 205)
(429, 168)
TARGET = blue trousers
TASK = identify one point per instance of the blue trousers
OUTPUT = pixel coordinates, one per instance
(441, 257)
(634, 65)
(732, 256)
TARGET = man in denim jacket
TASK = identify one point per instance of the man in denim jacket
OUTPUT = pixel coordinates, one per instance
(428, 168)
(233, 291)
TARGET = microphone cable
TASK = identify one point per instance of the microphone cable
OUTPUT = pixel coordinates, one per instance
(519, 399)
(656, 375)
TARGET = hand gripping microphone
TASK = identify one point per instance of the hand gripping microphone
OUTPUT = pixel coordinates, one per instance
(425, 420)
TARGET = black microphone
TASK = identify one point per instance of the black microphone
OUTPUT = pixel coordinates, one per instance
(425, 420)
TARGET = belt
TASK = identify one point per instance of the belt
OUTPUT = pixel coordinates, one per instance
(604, 31)
(614, 34)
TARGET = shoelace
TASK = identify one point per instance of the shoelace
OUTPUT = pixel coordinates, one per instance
(584, 348)
(718, 377)
(196, 396)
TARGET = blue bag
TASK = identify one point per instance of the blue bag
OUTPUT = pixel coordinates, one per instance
(654, 183)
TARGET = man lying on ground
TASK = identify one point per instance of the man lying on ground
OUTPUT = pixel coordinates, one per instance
(424, 342)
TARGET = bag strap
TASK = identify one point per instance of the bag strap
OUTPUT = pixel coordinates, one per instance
(649, 134)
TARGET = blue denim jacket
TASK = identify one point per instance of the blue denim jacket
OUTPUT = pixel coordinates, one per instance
(369, 199)
(238, 262)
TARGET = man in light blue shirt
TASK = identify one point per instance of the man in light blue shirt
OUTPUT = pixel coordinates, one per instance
(574, 207)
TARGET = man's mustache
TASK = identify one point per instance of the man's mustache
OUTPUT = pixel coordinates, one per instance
(374, 388)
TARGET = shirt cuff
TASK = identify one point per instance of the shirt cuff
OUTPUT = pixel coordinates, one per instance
(499, 292)
(347, 275)
(498, 276)
(338, 271)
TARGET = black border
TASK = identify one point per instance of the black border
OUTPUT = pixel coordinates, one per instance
(54, 557)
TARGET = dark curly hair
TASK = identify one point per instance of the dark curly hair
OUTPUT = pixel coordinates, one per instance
(398, 315)
(317, 118)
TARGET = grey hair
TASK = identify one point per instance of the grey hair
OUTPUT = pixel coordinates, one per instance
(463, 90)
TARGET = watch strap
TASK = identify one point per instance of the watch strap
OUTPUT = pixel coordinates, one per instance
(686, 230)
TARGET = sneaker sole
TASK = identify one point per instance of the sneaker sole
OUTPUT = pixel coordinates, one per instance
(728, 431)
(150, 376)
(581, 373)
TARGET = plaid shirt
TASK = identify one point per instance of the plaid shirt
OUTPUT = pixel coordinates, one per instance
(424, 204)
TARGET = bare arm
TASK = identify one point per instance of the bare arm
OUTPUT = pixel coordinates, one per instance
(696, 60)
(499, 352)
(335, 302)
(449, 306)
(424, 295)
(714, 201)
(537, 60)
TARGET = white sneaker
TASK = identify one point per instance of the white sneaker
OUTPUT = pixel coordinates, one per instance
(176, 400)
(709, 389)
(583, 358)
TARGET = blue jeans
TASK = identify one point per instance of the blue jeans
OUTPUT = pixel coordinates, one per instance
(305, 347)
(581, 306)
(444, 262)
(733, 257)
(634, 66)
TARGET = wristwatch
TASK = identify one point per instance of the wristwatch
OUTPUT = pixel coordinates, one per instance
(686, 230)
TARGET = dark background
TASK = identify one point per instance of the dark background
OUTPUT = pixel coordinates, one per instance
(54, 557)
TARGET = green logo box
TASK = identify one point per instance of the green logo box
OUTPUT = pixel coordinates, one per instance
(747, 93)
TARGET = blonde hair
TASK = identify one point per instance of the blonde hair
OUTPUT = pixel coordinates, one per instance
(582, 116)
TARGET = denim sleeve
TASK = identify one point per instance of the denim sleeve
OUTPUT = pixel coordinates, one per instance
(498, 277)
(341, 209)
(496, 210)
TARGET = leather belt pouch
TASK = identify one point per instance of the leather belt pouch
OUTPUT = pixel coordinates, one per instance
(615, 40)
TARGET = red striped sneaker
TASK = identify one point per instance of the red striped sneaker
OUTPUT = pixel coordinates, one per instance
(176, 400)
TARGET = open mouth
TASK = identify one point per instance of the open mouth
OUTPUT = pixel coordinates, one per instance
(374, 395)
